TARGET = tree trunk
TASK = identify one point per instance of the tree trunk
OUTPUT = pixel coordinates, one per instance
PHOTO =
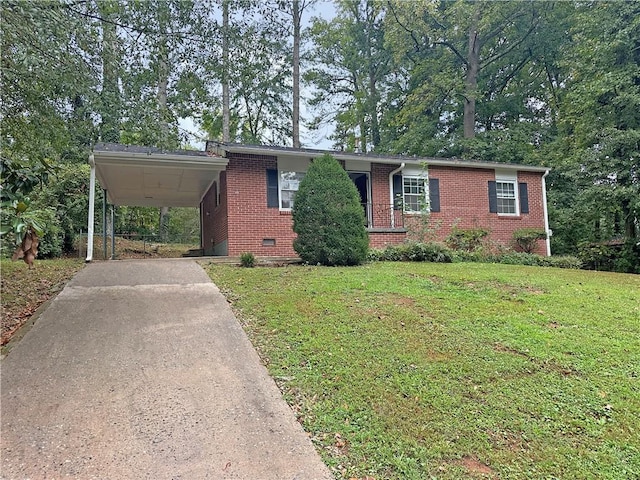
(373, 90)
(161, 97)
(110, 97)
(630, 230)
(297, 17)
(164, 224)
(471, 80)
(226, 115)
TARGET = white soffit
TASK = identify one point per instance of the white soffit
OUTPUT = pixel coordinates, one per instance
(156, 180)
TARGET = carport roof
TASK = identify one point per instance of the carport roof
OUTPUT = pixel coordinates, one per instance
(151, 177)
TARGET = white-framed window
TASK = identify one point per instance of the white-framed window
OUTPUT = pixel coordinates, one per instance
(414, 194)
(288, 186)
(506, 198)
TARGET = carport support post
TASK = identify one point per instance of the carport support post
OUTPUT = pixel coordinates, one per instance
(104, 223)
(92, 199)
(113, 232)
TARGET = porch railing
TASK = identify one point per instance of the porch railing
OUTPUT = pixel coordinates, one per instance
(383, 216)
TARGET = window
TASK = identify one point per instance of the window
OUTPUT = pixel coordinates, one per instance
(506, 198)
(289, 183)
(414, 194)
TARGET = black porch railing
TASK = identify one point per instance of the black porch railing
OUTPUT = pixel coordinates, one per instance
(383, 216)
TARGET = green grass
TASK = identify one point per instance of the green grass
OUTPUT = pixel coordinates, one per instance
(414, 371)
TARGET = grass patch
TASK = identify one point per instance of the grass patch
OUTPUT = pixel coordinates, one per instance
(413, 371)
(24, 290)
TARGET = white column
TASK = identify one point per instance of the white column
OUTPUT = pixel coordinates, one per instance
(92, 195)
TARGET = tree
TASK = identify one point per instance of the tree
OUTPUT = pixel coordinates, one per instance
(350, 62)
(461, 59)
(251, 64)
(328, 216)
(48, 78)
(600, 121)
(296, 9)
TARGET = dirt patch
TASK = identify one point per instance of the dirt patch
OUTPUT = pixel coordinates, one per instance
(548, 364)
(433, 356)
(398, 301)
(475, 466)
(24, 290)
(498, 347)
(511, 441)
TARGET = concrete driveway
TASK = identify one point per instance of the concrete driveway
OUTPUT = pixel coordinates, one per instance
(139, 370)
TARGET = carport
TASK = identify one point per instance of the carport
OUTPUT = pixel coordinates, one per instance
(149, 177)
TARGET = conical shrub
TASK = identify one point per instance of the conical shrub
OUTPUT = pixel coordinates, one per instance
(328, 216)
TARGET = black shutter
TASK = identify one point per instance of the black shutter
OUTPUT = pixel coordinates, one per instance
(524, 197)
(434, 194)
(272, 188)
(493, 197)
(397, 192)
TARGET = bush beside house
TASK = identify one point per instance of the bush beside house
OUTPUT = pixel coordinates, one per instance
(328, 217)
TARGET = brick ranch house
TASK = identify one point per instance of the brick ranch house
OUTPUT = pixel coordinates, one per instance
(245, 193)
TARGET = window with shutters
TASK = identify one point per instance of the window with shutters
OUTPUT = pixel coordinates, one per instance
(506, 198)
(414, 194)
(289, 183)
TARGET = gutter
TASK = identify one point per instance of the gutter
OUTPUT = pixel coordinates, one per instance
(159, 159)
(92, 199)
(222, 149)
(546, 213)
(393, 172)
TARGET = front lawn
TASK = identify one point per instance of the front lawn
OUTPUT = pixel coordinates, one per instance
(448, 371)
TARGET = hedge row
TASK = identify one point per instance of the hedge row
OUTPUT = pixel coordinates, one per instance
(438, 253)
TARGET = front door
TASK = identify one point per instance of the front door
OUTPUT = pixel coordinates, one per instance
(361, 181)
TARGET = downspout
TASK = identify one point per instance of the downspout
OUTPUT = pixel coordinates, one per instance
(92, 195)
(546, 213)
(393, 172)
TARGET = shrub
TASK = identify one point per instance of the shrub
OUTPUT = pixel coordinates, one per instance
(518, 258)
(413, 252)
(596, 256)
(629, 258)
(68, 193)
(527, 238)
(466, 239)
(328, 217)
(247, 259)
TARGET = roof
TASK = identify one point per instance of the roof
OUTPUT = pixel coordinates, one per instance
(221, 149)
(146, 176)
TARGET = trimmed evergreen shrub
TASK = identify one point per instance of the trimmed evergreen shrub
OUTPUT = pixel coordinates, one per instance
(248, 260)
(466, 239)
(328, 216)
(413, 252)
(518, 258)
(527, 238)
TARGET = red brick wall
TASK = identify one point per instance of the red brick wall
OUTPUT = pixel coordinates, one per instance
(381, 240)
(464, 201)
(250, 221)
(214, 217)
(244, 219)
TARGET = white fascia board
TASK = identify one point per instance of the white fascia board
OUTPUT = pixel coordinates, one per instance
(158, 160)
(223, 149)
